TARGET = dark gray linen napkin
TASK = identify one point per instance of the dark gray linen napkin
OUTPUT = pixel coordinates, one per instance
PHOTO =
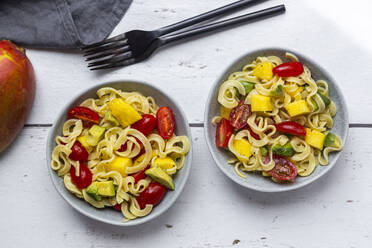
(59, 24)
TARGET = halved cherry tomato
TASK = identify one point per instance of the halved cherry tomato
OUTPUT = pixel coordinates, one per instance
(89, 117)
(289, 69)
(85, 176)
(165, 122)
(153, 194)
(117, 207)
(224, 130)
(78, 152)
(291, 127)
(239, 115)
(284, 169)
(140, 175)
(125, 147)
(146, 124)
(253, 134)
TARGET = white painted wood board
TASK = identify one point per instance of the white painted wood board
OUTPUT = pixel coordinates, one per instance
(212, 211)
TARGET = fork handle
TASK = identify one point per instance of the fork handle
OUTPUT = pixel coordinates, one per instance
(208, 15)
(223, 24)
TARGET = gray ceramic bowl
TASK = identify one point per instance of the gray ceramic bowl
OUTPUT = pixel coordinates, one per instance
(109, 215)
(255, 181)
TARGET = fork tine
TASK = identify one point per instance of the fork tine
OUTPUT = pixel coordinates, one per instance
(111, 60)
(108, 53)
(104, 48)
(118, 64)
(106, 41)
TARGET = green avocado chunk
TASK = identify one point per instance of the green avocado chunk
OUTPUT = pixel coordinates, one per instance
(110, 118)
(106, 188)
(95, 134)
(325, 99)
(277, 92)
(98, 189)
(330, 140)
(160, 176)
(92, 190)
(247, 86)
(286, 150)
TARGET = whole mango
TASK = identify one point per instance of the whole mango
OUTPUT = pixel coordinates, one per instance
(17, 91)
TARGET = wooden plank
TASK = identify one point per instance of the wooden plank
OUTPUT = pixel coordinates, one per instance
(188, 69)
(211, 212)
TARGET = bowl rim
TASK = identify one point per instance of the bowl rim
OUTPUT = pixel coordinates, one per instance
(165, 205)
(207, 125)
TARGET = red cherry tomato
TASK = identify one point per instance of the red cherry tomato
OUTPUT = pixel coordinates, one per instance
(85, 176)
(284, 169)
(289, 69)
(146, 124)
(78, 152)
(117, 207)
(89, 117)
(224, 130)
(253, 134)
(291, 127)
(165, 122)
(239, 115)
(153, 194)
(140, 175)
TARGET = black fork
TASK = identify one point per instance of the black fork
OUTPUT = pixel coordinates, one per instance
(146, 37)
(135, 46)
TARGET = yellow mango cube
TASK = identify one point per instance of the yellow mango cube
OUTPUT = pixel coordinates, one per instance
(225, 112)
(243, 147)
(297, 108)
(84, 143)
(120, 165)
(264, 71)
(315, 138)
(123, 112)
(164, 163)
(261, 103)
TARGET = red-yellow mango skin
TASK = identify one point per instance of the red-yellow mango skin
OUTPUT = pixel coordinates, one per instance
(17, 91)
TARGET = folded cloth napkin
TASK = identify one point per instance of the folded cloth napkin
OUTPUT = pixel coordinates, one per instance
(59, 23)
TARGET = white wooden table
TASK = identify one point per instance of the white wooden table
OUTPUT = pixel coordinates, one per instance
(212, 211)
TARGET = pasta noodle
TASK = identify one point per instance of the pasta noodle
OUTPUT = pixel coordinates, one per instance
(118, 142)
(256, 144)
